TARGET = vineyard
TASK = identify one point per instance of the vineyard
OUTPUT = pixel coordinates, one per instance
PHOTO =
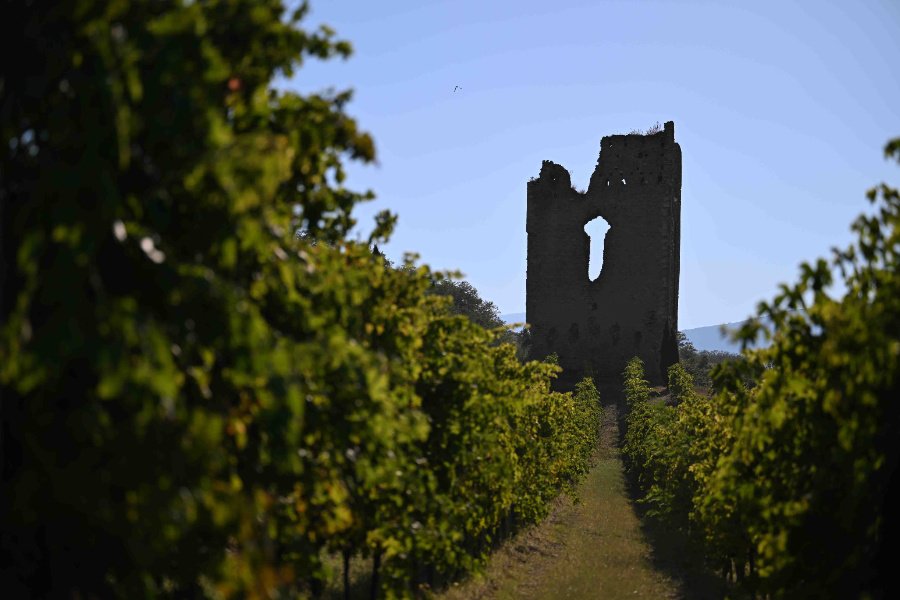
(785, 477)
(196, 401)
(209, 388)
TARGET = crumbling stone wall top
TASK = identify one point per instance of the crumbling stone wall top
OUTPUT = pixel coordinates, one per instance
(631, 308)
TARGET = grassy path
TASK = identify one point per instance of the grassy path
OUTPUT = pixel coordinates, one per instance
(596, 549)
(593, 549)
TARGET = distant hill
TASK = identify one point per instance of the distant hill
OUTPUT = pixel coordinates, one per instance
(711, 338)
(703, 338)
(513, 318)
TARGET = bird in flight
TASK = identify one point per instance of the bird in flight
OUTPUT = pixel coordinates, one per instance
(456, 88)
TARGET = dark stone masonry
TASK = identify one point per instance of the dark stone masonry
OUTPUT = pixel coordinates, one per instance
(631, 308)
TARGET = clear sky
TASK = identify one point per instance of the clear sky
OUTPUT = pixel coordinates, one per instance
(781, 109)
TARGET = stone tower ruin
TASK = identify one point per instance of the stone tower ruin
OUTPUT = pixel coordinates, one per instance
(631, 308)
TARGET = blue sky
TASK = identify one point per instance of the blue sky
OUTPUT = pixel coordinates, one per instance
(781, 110)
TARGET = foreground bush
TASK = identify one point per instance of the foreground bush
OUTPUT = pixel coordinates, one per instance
(194, 402)
(791, 484)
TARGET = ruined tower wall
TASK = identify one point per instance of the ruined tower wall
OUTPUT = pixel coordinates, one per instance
(631, 309)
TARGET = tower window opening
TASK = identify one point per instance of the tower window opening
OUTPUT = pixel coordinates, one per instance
(596, 229)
